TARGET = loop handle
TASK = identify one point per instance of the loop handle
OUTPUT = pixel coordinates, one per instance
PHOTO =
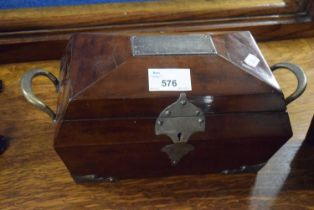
(300, 75)
(26, 86)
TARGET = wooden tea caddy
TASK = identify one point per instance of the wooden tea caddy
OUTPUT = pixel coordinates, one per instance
(109, 124)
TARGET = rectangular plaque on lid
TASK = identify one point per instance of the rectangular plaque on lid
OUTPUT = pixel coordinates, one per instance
(195, 44)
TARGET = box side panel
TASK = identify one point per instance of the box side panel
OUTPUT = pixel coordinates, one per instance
(241, 49)
(94, 56)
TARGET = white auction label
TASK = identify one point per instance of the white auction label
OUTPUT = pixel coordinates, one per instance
(251, 60)
(169, 79)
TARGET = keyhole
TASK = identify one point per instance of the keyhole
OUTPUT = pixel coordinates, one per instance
(179, 136)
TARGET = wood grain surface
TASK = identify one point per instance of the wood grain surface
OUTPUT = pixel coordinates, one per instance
(138, 12)
(33, 177)
(25, 34)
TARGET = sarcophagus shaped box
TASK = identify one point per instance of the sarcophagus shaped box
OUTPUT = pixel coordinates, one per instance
(135, 106)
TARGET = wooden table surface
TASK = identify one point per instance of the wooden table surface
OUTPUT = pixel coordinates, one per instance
(33, 177)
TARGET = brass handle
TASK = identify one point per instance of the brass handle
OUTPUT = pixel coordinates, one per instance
(300, 75)
(26, 86)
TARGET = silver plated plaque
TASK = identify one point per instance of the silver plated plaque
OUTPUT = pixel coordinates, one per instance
(192, 44)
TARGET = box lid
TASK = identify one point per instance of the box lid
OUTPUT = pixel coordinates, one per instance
(106, 76)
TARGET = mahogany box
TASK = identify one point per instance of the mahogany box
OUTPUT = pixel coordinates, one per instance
(151, 105)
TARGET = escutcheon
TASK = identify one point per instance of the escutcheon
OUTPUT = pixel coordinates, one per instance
(179, 121)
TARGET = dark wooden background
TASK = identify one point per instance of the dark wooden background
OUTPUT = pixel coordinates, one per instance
(42, 33)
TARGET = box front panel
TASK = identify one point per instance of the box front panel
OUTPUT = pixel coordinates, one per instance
(129, 148)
